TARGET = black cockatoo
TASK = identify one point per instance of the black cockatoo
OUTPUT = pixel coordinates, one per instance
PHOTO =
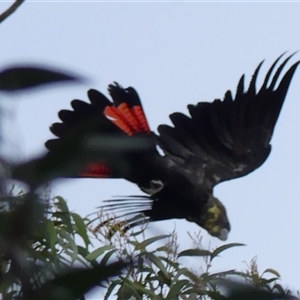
(219, 141)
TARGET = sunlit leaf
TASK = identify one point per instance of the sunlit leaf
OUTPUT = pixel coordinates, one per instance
(63, 213)
(271, 271)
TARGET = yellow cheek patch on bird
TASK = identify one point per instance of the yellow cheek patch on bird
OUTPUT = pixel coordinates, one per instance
(213, 212)
(211, 217)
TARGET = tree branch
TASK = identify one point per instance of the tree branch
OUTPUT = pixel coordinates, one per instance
(10, 10)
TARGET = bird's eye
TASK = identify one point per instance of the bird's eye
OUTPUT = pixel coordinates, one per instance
(156, 186)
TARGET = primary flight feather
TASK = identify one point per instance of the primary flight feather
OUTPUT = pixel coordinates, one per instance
(219, 141)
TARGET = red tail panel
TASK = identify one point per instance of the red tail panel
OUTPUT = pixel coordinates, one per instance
(116, 116)
(129, 120)
(95, 170)
(139, 115)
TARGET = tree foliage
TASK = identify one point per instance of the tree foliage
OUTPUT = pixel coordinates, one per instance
(46, 250)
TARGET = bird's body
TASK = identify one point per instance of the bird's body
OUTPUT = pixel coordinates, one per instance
(220, 141)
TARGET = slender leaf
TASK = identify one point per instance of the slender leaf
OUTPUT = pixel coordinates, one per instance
(98, 252)
(107, 256)
(140, 288)
(194, 252)
(76, 282)
(188, 273)
(81, 228)
(17, 78)
(271, 271)
(158, 263)
(51, 234)
(176, 288)
(61, 204)
(149, 241)
(126, 291)
(110, 289)
(218, 250)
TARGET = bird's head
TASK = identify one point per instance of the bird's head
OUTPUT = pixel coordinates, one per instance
(214, 219)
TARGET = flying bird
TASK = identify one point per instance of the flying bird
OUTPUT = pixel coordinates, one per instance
(219, 141)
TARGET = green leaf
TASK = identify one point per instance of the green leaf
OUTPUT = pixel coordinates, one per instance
(69, 245)
(25, 77)
(194, 252)
(76, 282)
(136, 233)
(280, 289)
(193, 296)
(188, 273)
(126, 291)
(218, 250)
(176, 288)
(63, 213)
(61, 204)
(107, 256)
(96, 253)
(158, 263)
(82, 251)
(110, 288)
(51, 234)
(81, 228)
(268, 281)
(142, 290)
(271, 271)
(147, 242)
(223, 274)
(237, 291)
(164, 248)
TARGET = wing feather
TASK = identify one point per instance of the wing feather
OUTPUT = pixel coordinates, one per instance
(229, 138)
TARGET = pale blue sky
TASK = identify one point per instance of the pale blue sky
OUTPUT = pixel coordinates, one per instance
(174, 54)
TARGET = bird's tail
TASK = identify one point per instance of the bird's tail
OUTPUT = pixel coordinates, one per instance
(120, 127)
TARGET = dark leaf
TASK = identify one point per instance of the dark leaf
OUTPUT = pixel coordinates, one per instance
(271, 271)
(26, 77)
(176, 289)
(81, 228)
(158, 263)
(76, 282)
(149, 241)
(218, 250)
(98, 252)
(106, 257)
(194, 252)
(237, 291)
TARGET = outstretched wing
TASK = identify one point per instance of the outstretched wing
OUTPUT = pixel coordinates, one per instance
(227, 139)
(111, 121)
